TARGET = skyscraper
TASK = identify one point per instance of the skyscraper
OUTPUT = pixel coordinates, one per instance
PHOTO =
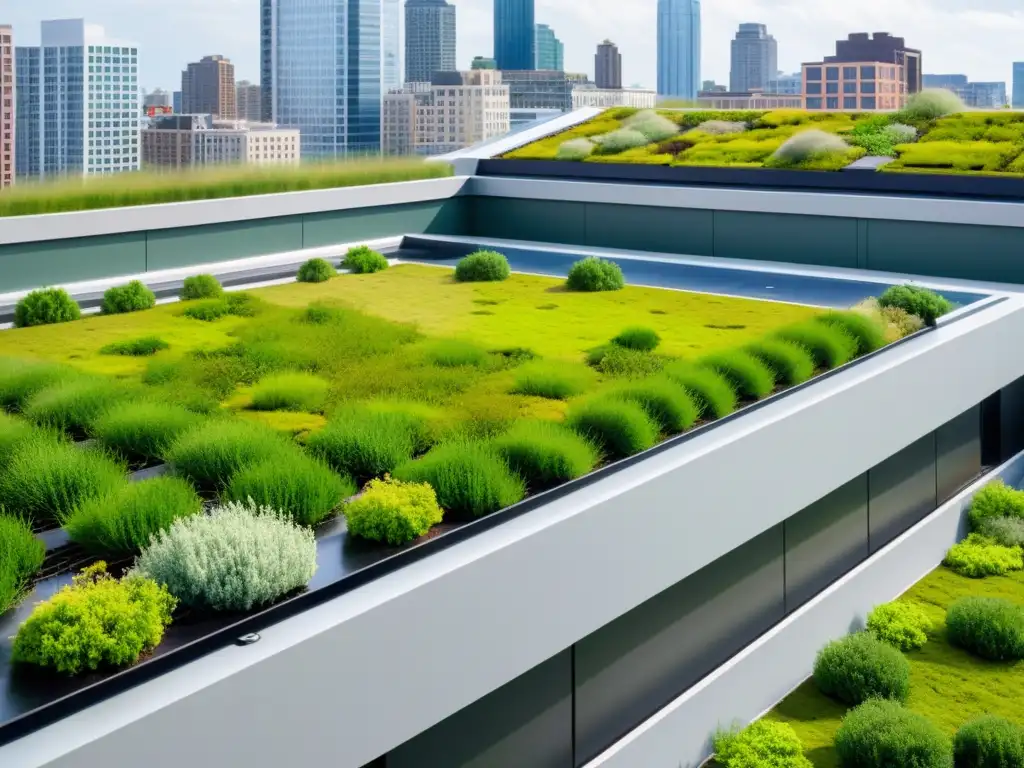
(7, 98)
(429, 39)
(608, 66)
(249, 98)
(208, 88)
(1018, 85)
(266, 61)
(549, 51)
(78, 105)
(391, 44)
(326, 73)
(755, 59)
(514, 36)
(679, 48)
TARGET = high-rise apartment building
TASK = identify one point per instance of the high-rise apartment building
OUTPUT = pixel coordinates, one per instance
(679, 48)
(77, 103)
(549, 51)
(249, 101)
(884, 49)
(7, 102)
(391, 44)
(326, 73)
(208, 88)
(1018, 85)
(175, 142)
(755, 59)
(176, 102)
(514, 35)
(608, 66)
(429, 39)
(266, 61)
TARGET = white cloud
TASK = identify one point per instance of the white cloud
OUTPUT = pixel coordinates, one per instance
(977, 37)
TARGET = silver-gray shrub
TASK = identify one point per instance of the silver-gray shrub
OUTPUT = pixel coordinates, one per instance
(575, 149)
(621, 140)
(720, 127)
(901, 133)
(933, 103)
(236, 557)
(808, 144)
(652, 125)
(1008, 531)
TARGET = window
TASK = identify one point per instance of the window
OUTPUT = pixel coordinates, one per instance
(849, 102)
(867, 73)
(831, 87)
(867, 87)
(832, 102)
(814, 88)
(813, 73)
(867, 102)
(814, 103)
(831, 73)
(850, 87)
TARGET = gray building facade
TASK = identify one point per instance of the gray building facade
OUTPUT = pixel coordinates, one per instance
(429, 39)
(755, 59)
(608, 66)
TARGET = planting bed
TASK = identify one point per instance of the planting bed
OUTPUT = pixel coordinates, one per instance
(444, 401)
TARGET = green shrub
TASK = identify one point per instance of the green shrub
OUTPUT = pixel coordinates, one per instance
(21, 555)
(47, 479)
(989, 627)
(618, 427)
(235, 558)
(901, 624)
(762, 744)
(653, 126)
(22, 380)
(859, 667)
(210, 454)
(13, 434)
(1007, 531)
(789, 363)
(639, 338)
(393, 512)
(575, 149)
(362, 260)
(713, 393)
(977, 557)
(45, 307)
(989, 742)
(807, 145)
(483, 267)
(97, 621)
(470, 479)
(302, 488)
(621, 363)
(619, 141)
(290, 392)
(316, 271)
(884, 734)
(453, 353)
(867, 332)
(366, 444)
(552, 380)
(593, 274)
(143, 432)
(122, 522)
(201, 287)
(545, 454)
(133, 297)
(236, 304)
(74, 406)
(145, 346)
(931, 104)
(748, 375)
(669, 405)
(830, 346)
(996, 500)
(926, 304)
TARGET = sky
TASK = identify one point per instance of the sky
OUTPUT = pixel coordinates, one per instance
(979, 38)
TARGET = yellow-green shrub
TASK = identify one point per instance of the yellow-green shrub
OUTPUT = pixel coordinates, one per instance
(977, 557)
(392, 511)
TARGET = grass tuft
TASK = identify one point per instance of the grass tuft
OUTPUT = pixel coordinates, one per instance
(667, 403)
(553, 380)
(145, 346)
(638, 338)
(144, 431)
(452, 353)
(749, 376)
(713, 393)
(305, 490)
(618, 427)
(302, 392)
(790, 363)
(866, 331)
(546, 454)
(367, 444)
(830, 346)
(21, 555)
(21, 380)
(991, 628)
(74, 406)
(212, 453)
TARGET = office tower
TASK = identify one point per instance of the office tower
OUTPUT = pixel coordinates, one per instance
(514, 36)
(7, 100)
(548, 49)
(1018, 85)
(608, 66)
(884, 49)
(429, 39)
(326, 74)
(176, 102)
(990, 95)
(785, 84)
(948, 82)
(157, 98)
(755, 59)
(541, 89)
(174, 142)
(249, 101)
(391, 44)
(483, 62)
(678, 48)
(208, 88)
(266, 62)
(77, 108)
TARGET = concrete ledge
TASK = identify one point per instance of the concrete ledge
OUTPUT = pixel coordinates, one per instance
(106, 221)
(756, 679)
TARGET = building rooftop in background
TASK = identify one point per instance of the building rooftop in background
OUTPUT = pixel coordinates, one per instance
(748, 100)
(208, 87)
(173, 142)
(854, 85)
(7, 100)
(884, 48)
(542, 89)
(604, 98)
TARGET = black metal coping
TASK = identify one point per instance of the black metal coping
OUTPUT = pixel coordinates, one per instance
(344, 565)
(850, 181)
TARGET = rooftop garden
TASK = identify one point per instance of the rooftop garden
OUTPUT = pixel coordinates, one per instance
(932, 135)
(148, 188)
(935, 680)
(370, 411)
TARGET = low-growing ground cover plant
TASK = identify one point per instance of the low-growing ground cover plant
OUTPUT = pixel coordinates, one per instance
(201, 287)
(235, 558)
(471, 479)
(546, 454)
(902, 624)
(393, 512)
(74, 406)
(44, 307)
(996, 500)
(668, 404)
(618, 427)
(95, 622)
(316, 271)
(989, 742)
(593, 274)
(144, 346)
(365, 444)
(21, 555)
(977, 557)
(749, 376)
(132, 297)
(554, 380)
(883, 733)
(860, 667)
(925, 303)
(789, 363)
(991, 628)
(290, 391)
(362, 260)
(302, 488)
(210, 310)
(482, 267)
(212, 453)
(638, 338)
(121, 523)
(144, 431)
(453, 353)
(713, 393)
(762, 744)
